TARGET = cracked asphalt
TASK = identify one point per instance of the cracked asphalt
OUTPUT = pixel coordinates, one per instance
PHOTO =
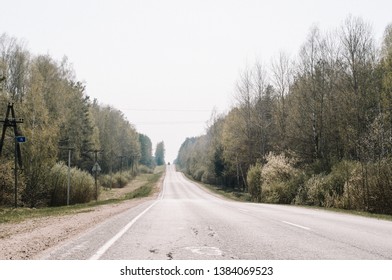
(188, 223)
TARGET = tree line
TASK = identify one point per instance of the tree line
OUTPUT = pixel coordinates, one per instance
(59, 116)
(313, 129)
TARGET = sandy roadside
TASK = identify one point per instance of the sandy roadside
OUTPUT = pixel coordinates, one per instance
(29, 239)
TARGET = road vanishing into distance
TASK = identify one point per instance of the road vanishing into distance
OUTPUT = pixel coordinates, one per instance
(188, 223)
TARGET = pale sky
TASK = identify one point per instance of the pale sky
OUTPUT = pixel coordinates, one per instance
(168, 64)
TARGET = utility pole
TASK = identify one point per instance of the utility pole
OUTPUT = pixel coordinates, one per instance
(69, 176)
(70, 149)
(96, 169)
(121, 163)
(12, 122)
(111, 168)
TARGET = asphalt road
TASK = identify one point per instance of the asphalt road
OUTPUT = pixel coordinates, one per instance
(186, 223)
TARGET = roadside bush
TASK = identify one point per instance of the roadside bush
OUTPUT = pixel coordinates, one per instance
(106, 181)
(6, 184)
(328, 190)
(209, 178)
(254, 181)
(315, 190)
(342, 184)
(351, 185)
(119, 180)
(116, 180)
(198, 174)
(369, 188)
(378, 177)
(145, 169)
(82, 185)
(354, 192)
(281, 180)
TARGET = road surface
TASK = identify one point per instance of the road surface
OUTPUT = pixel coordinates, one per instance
(188, 223)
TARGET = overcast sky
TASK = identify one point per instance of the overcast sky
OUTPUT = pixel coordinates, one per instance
(168, 64)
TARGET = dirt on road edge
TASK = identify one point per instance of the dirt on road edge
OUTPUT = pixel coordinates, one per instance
(31, 238)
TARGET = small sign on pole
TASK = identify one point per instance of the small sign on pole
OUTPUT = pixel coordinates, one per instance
(96, 168)
(21, 139)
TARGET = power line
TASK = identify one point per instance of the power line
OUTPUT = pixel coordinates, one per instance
(169, 123)
(168, 110)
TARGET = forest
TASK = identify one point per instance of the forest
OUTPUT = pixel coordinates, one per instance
(60, 122)
(313, 128)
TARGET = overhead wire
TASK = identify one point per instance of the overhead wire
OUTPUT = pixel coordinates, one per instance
(168, 110)
(169, 123)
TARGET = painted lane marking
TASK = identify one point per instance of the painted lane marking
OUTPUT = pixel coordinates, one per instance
(295, 225)
(111, 241)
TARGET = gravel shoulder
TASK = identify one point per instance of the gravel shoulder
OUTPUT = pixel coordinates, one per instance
(30, 238)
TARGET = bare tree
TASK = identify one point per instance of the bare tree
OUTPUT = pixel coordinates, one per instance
(282, 79)
(358, 59)
(15, 59)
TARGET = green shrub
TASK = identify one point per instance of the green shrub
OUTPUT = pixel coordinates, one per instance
(316, 190)
(280, 180)
(340, 175)
(208, 177)
(369, 188)
(82, 187)
(198, 174)
(351, 185)
(353, 196)
(106, 181)
(6, 184)
(119, 180)
(128, 176)
(254, 181)
(333, 190)
(145, 169)
(379, 187)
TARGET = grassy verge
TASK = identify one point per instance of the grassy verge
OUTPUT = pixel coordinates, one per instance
(148, 183)
(240, 196)
(352, 212)
(148, 187)
(227, 193)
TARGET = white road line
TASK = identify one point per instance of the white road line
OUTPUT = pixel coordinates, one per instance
(295, 225)
(243, 210)
(109, 243)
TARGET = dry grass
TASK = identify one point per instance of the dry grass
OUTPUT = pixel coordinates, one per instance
(143, 185)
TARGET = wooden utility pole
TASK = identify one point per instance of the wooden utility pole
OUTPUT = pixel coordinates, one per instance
(96, 169)
(12, 122)
(121, 162)
(70, 149)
